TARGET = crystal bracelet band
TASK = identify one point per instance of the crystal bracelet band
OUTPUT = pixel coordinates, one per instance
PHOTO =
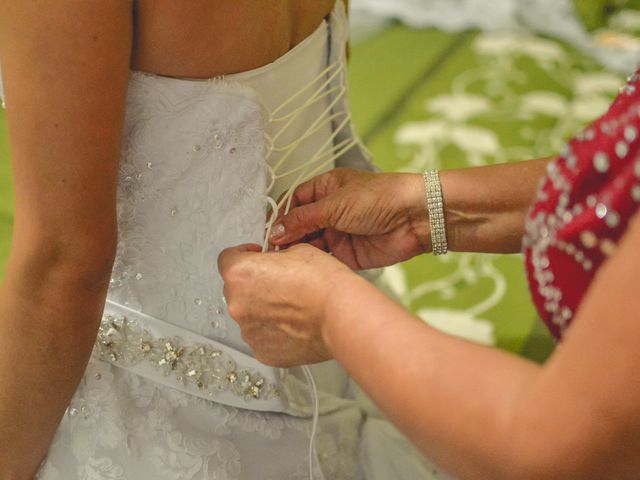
(435, 208)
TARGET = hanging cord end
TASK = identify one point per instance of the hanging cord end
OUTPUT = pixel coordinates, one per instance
(316, 415)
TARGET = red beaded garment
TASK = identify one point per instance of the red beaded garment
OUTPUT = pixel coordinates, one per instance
(583, 208)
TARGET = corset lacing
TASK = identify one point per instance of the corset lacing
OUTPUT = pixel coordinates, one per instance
(328, 84)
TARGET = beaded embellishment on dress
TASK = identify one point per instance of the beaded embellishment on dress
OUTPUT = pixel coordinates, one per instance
(125, 342)
(583, 208)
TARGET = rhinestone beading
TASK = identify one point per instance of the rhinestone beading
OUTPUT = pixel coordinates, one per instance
(125, 342)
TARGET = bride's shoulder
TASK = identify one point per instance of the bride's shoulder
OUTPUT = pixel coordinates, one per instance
(65, 69)
(54, 39)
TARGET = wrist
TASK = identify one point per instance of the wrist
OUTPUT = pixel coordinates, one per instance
(412, 188)
(457, 220)
(344, 286)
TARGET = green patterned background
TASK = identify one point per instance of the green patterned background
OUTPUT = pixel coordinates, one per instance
(425, 98)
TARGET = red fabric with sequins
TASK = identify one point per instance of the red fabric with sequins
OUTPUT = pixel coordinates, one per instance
(583, 207)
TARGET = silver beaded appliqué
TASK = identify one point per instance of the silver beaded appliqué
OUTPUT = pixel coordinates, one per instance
(124, 342)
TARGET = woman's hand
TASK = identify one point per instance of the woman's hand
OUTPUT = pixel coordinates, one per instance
(279, 300)
(366, 220)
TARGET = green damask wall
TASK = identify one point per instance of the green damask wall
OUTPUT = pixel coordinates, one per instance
(425, 99)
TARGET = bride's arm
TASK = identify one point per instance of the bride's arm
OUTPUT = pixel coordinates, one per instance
(65, 65)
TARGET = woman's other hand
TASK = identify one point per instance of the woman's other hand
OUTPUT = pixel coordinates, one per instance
(366, 220)
(282, 322)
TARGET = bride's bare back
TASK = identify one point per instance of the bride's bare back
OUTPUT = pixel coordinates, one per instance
(204, 38)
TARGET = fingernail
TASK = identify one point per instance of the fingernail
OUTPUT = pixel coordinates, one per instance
(277, 231)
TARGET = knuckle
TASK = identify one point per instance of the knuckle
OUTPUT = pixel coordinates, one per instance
(268, 360)
(221, 263)
(295, 216)
(235, 311)
(339, 172)
(261, 357)
(334, 178)
(342, 174)
(248, 337)
(326, 210)
(236, 273)
(299, 247)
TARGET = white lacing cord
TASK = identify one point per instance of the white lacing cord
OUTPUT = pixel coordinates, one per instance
(326, 155)
(335, 151)
(320, 162)
(323, 119)
(306, 175)
(287, 198)
(272, 179)
(292, 116)
(339, 149)
(316, 417)
(337, 66)
(269, 226)
(317, 125)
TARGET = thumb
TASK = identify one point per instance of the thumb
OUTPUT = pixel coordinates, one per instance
(299, 222)
(231, 255)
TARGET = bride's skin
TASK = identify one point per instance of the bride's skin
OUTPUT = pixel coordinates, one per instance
(478, 412)
(205, 38)
(65, 65)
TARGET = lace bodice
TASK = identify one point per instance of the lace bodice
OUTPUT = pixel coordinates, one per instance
(203, 160)
(185, 196)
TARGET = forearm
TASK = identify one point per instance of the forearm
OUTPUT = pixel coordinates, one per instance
(453, 399)
(65, 120)
(485, 207)
(48, 323)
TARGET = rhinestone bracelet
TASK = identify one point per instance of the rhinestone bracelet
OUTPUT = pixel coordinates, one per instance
(436, 212)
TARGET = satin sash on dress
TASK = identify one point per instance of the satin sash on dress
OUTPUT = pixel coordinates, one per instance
(178, 358)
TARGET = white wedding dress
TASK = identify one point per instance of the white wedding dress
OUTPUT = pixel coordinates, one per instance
(171, 391)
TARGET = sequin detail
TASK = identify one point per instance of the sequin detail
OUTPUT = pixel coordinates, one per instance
(582, 209)
(601, 162)
(124, 342)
